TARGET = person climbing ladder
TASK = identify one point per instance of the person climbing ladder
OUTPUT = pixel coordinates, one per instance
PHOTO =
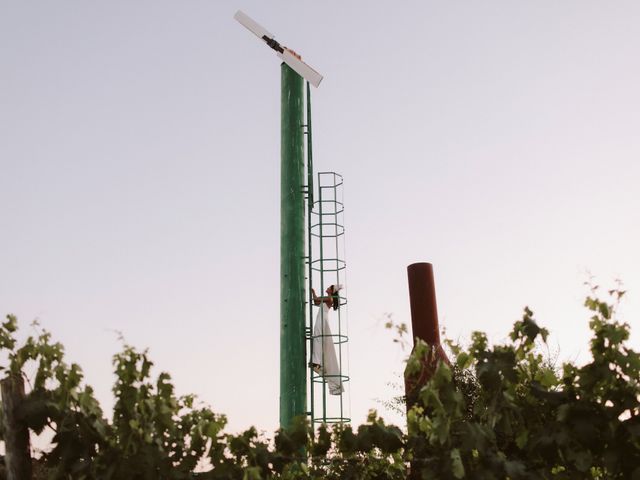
(324, 361)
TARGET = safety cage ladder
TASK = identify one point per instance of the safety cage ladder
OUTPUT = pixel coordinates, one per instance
(326, 266)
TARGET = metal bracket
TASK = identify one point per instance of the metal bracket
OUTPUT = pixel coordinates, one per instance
(273, 43)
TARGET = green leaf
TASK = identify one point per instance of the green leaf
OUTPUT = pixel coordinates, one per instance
(252, 473)
(548, 378)
(457, 467)
(463, 360)
(521, 439)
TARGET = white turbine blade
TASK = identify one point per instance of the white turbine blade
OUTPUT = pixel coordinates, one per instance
(298, 66)
(301, 68)
(251, 25)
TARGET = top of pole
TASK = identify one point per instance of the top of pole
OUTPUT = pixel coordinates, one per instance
(287, 55)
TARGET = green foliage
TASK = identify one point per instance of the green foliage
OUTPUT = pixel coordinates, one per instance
(528, 421)
(498, 412)
(153, 433)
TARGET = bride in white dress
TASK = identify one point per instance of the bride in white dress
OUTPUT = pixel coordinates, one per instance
(324, 361)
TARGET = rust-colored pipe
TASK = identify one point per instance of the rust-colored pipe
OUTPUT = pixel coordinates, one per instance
(422, 298)
(424, 326)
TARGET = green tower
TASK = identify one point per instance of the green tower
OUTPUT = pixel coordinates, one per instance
(293, 386)
(293, 370)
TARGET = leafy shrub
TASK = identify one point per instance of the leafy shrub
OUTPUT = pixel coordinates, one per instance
(527, 420)
(499, 412)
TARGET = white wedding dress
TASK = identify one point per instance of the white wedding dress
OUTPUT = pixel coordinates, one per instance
(324, 351)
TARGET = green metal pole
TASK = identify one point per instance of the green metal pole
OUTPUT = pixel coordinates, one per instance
(293, 386)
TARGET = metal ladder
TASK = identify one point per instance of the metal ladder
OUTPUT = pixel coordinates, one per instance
(326, 266)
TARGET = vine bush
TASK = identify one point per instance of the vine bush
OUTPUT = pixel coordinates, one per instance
(499, 412)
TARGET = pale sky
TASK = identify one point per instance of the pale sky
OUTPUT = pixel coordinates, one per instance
(139, 160)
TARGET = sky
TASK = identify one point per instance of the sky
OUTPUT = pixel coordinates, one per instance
(139, 160)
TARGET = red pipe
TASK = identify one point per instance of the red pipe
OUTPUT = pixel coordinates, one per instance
(424, 325)
(422, 298)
